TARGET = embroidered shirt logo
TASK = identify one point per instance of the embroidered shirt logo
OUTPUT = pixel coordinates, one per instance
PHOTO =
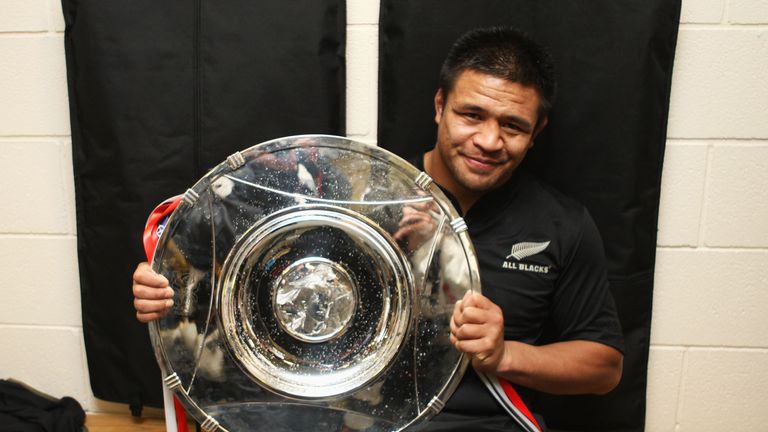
(524, 250)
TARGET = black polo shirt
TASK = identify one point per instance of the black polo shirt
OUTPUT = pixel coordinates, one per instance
(541, 260)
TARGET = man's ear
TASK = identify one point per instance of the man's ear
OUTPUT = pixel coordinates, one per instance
(540, 126)
(439, 104)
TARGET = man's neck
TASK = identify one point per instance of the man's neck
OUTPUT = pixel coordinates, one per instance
(440, 174)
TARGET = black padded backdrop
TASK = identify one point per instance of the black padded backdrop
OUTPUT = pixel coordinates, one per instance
(160, 92)
(604, 144)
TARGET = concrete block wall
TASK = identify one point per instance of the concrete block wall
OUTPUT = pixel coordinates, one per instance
(40, 323)
(709, 348)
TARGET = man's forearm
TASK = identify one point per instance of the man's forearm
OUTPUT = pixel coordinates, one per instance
(572, 367)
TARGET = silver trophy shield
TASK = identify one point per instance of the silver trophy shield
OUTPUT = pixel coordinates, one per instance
(314, 280)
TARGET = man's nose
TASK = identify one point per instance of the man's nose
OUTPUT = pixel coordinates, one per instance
(488, 137)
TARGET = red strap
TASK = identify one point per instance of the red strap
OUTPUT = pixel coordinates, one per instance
(150, 238)
(517, 401)
(504, 393)
(151, 235)
(181, 416)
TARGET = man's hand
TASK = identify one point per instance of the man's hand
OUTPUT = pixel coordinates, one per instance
(153, 298)
(568, 367)
(417, 224)
(477, 328)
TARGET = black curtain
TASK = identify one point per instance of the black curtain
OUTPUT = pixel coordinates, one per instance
(604, 144)
(159, 93)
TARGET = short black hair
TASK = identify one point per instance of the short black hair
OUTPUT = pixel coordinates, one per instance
(505, 53)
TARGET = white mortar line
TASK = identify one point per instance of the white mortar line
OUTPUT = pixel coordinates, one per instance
(41, 34)
(719, 348)
(740, 143)
(49, 16)
(36, 235)
(680, 387)
(718, 141)
(23, 33)
(723, 26)
(32, 138)
(40, 327)
(679, 398)
(363, 25)
(742, 26)
(703, 212)
(724, 12)
(713, 248)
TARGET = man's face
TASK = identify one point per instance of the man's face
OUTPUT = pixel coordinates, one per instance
(486, 125)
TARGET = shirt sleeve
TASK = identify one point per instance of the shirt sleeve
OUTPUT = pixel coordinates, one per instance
(582, 307)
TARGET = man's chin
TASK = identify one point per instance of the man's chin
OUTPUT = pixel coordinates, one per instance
(478, 183)
(480, 187)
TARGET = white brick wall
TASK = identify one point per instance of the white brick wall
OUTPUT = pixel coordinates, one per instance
(723, 389)
(702, 11)
(708, 343)
(34, 90)
(748, 11)
(709, 356)
(362, 67)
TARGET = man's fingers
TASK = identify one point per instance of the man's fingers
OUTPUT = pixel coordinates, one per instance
(410, 215)
(144, 275)
(149, 306)
(477, 325)
(472, 298)
(150, 278)
(465, 312)
(457, 318)
(404, 232)
(151, 292)
(419, 206)
(153, 298)
(471, 331)
(473, 315)
(475, 346)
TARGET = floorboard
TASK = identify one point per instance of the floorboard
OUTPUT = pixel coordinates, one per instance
(124, 423)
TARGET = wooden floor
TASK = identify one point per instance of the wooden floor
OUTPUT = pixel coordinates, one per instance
(124, 423)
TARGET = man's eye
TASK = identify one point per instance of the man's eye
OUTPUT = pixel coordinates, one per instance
(511, 126)
(471, 115)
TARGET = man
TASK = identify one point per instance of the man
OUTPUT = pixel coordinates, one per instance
(546, 322)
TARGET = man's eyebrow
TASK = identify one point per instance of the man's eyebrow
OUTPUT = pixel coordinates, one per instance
(470, 107)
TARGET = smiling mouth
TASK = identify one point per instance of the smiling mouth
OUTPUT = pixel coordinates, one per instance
(480, 164)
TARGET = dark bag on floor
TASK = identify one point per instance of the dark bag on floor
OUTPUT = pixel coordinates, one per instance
(23, 409)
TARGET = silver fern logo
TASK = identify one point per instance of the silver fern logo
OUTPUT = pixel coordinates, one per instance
(524, 250)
